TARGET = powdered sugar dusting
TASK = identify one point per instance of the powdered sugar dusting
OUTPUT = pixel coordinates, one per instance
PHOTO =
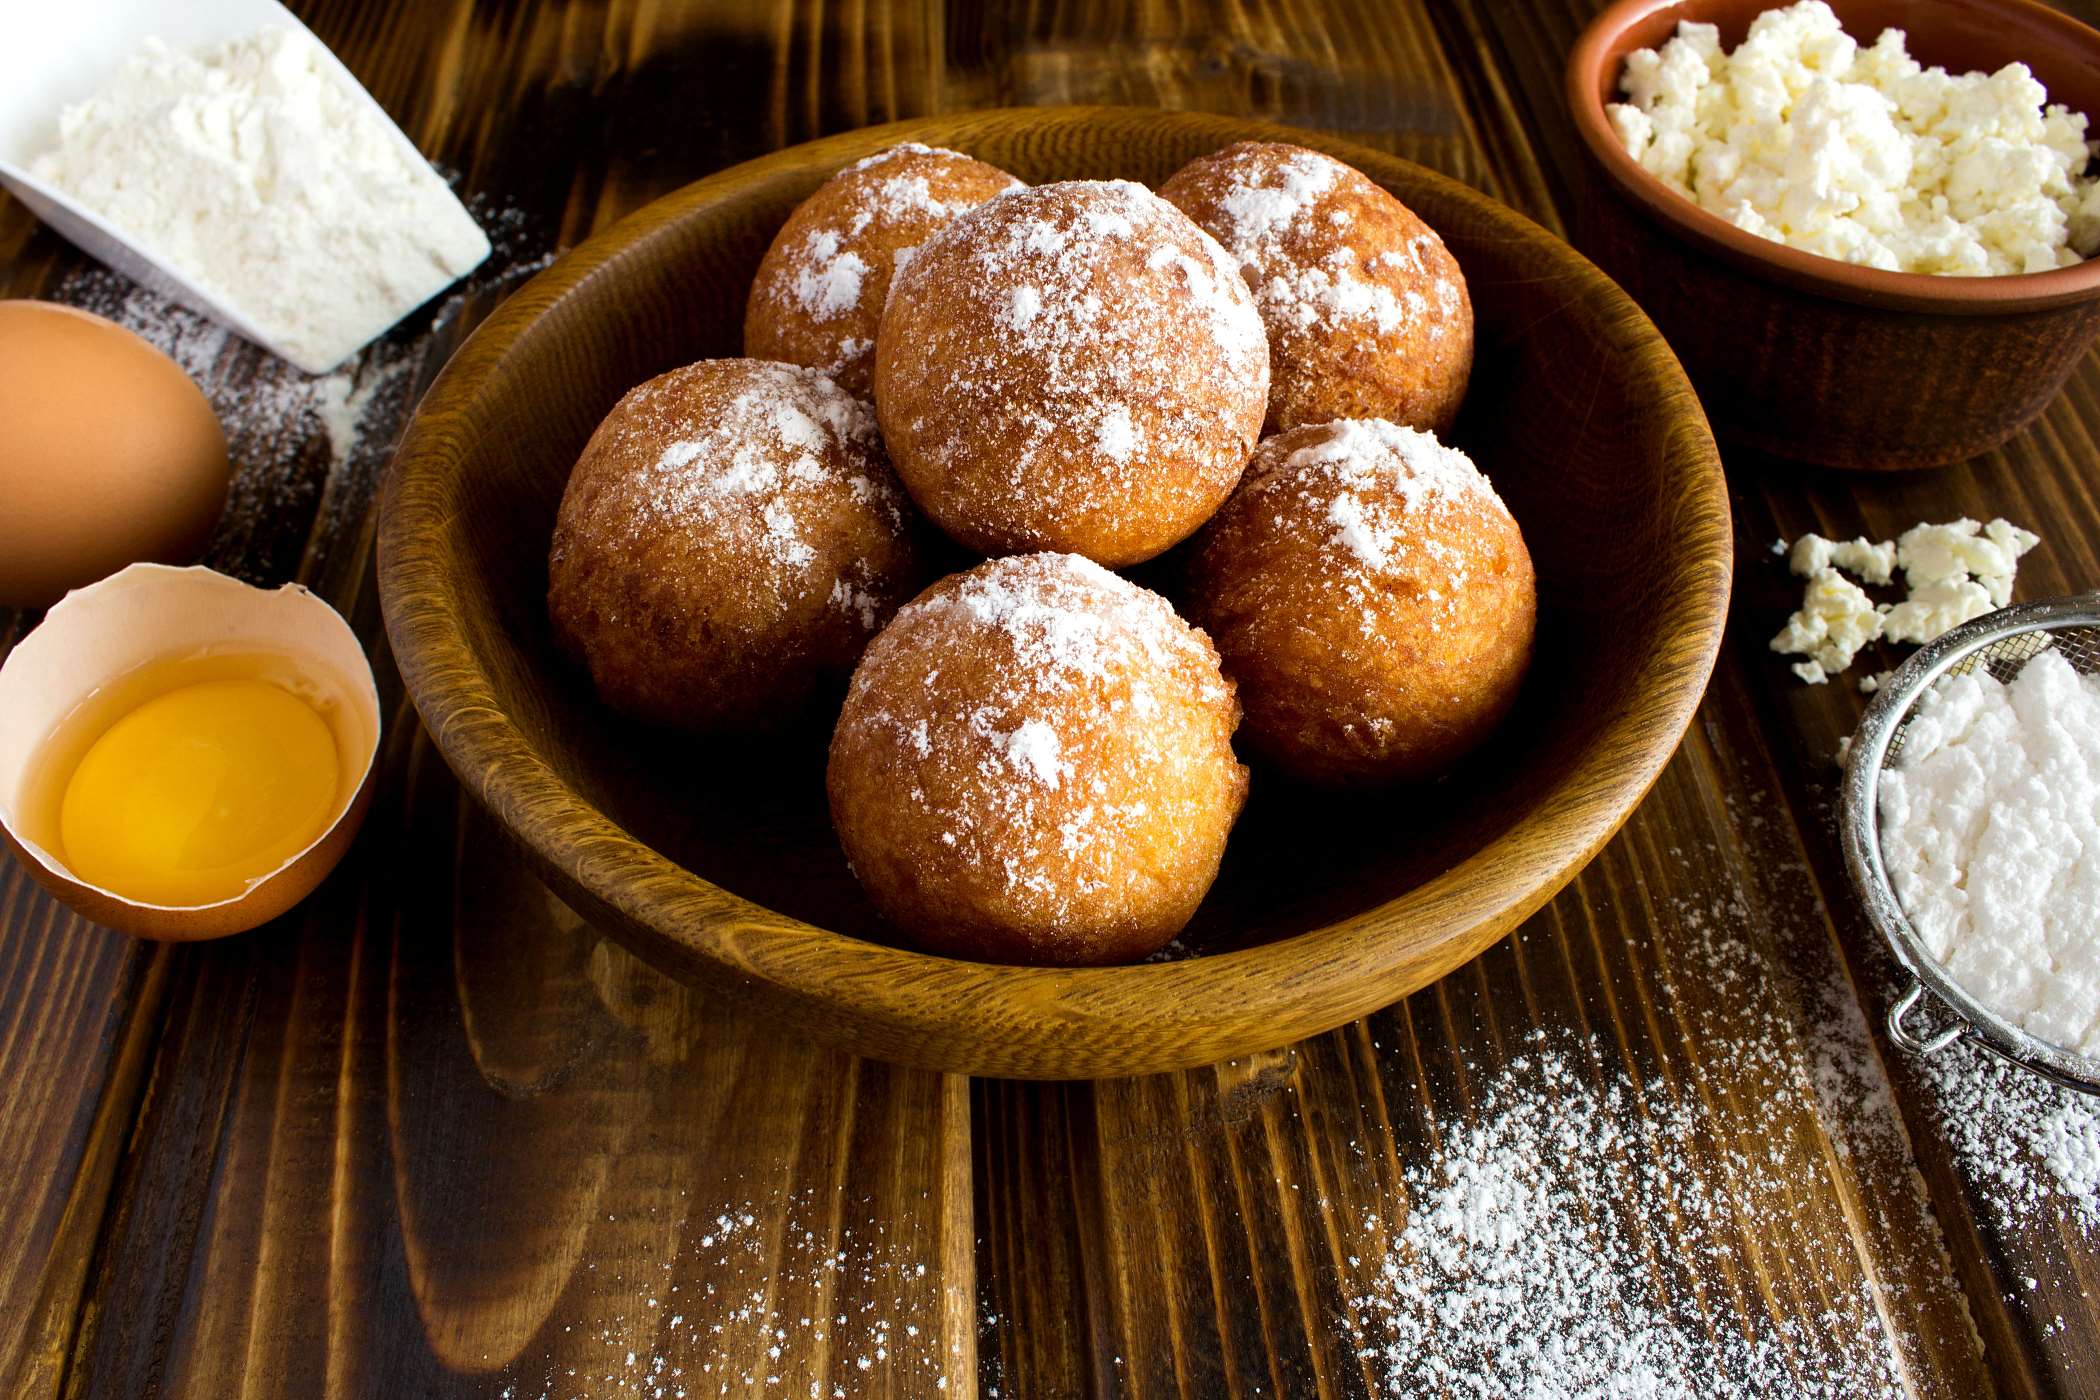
(1023, 304)
(819, 294)
(1092, 711)
(902, 149)
(1263, 209)
(784, 535)
(1034, 749)
(859, 602)
(1365, 307)
(1116, 435)
(1270, 209)
(1576, 1226)
(1305, 297)
(798, 1293)
(789, 429)
(2032, 1148)
(1039, 344)
(769, 477)
(1378, 498)
(1211, 279)
(827, 280)
(1049, 259)
(854, 349)
(1371, 548)
(1412, 463)
(1067, 617)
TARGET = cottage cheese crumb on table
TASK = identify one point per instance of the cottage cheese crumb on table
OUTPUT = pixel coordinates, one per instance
(1951, 573)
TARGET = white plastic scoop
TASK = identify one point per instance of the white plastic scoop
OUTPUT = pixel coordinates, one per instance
(61, 52)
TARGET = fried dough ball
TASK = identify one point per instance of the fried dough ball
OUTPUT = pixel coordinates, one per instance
(1034, 765)
(730, 537)
(1367, 311)
(1071, 367)
(819, 292)
(1373, 599)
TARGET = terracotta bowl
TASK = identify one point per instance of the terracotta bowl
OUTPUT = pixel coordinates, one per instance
(1815, 359)
(717, 860)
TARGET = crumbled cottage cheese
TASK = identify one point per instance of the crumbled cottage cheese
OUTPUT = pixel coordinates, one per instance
(1812, 554)
(1989, 820)
(1836, 619)
(1939, 562)
(1803, 137)
(262, 176)
(1951, 572)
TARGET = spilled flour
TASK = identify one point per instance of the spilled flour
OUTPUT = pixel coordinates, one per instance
(304, 448)
(291, 436)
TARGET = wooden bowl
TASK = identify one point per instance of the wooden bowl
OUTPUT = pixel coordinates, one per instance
(716, 860)
(1815, 359)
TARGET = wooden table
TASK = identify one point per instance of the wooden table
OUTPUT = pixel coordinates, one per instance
(429, 1135)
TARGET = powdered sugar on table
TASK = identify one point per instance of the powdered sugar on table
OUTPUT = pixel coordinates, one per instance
(827, 275)
(1524, 1266)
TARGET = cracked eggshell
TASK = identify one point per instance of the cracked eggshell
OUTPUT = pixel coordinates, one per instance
(151, 613)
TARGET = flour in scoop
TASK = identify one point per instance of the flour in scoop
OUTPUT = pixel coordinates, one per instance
(1990, 822)
(260, 173)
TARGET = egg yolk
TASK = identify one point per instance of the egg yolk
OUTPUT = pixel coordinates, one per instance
(195, 794)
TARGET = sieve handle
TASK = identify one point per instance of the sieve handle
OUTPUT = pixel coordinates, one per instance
(1904, 1037)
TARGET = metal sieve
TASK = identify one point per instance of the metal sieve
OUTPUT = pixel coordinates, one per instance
(2001, 642)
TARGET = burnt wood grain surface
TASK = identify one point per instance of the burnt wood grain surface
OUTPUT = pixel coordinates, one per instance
(431, 1135)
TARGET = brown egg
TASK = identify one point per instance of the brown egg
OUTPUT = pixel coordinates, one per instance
(109, 454)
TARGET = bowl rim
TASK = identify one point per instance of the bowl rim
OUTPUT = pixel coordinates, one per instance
(1931, 293)
(1029, 1022)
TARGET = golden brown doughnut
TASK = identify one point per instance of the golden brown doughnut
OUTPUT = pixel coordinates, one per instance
(1034, 764)
(819, 292)
(1367, 311)
(1372, 598)
(1071, 367)
(731, 536)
